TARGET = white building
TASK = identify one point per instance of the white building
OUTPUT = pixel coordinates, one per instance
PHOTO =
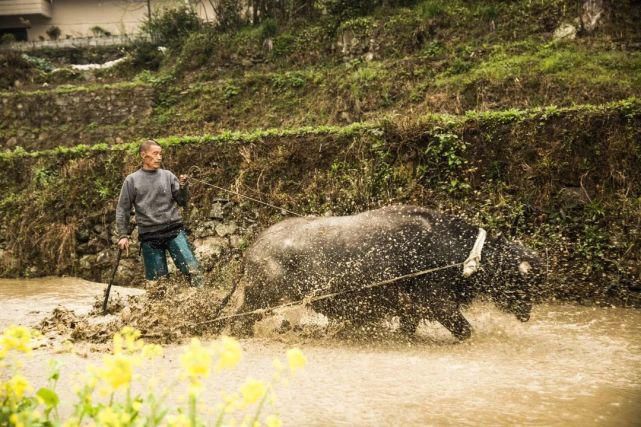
(30, 19)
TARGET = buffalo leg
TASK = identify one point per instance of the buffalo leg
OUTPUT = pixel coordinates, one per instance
(409, 312)
(408, 324)
(243, 326)
(455, 323)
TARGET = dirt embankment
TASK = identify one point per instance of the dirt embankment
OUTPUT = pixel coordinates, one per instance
(565, 181)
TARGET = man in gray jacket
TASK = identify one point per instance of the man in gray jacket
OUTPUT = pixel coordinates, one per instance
(155, 194)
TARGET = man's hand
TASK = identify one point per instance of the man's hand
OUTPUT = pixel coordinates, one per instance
(182, 180)
(123, 244)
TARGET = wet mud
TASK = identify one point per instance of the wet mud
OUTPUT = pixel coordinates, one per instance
(569, 365)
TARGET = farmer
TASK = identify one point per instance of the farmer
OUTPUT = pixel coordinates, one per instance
(155, 193)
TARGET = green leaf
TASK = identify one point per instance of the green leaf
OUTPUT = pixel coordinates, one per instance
(48, 396)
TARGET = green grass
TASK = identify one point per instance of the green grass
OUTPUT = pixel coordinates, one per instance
(571, 63)
(629, 107)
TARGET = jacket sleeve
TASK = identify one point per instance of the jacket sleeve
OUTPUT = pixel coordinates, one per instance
(123, 210)
(179, 194)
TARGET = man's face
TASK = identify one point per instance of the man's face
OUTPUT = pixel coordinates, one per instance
(152, 157)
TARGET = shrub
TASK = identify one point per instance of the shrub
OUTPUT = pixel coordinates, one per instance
(14, 67)
(39, 63)
(228, 14)
(54, 32)
(269, 28)
(346, 9)
(99, 31)
(146, 55)
(7, 38)
(170, 26)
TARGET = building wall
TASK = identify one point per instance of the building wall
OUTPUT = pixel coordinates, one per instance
(19, 7)
(75, 18)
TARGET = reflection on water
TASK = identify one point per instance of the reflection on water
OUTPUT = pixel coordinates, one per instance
(569, 365)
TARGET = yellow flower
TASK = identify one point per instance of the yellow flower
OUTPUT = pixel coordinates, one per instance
(107, 417)
(230, 353)
(127, 340)
(16, 421)
(179, 420)
(17, 386)
(273, 421)
(71, 422)
(150, 351)
(117, 371)
(196, 361)
(296, 359)
(16, 338)
(252, 391)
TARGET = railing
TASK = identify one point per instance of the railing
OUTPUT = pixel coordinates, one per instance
(73, 42)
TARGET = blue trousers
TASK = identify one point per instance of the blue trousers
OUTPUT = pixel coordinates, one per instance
(155, 259)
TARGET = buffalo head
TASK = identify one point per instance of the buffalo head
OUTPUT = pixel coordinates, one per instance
(513, 274)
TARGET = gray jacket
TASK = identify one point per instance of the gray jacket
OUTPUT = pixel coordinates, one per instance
(154, 194)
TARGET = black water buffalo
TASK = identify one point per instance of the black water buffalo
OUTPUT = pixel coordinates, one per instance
(300, 257)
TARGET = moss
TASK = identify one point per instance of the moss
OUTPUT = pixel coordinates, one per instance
(67, 88)
(571, 63)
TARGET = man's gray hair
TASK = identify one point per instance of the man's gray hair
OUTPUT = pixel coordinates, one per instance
(148, 143)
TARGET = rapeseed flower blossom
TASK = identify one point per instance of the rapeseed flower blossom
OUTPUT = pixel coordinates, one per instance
(117, 370)
(71, 422)
(15, 338)
(127, 340)
(109, 417)
(252, 391)
(196, 360)
(15, 420)
(296, 359)
(230, 353)
(16, 387)
(273, 421)
(179, 420)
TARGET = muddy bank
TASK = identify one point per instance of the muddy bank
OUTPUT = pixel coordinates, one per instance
(564, 181)
(166, 311)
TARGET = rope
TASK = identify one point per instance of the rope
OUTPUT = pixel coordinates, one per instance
(245, 196)
(314, 298)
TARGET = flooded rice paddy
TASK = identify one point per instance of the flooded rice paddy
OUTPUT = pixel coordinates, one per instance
(569, 365)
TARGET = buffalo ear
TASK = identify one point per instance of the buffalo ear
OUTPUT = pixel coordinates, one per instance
(525, 267)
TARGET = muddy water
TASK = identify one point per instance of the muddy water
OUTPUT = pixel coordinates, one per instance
(569, 365)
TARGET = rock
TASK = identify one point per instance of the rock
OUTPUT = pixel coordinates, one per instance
(572, 197)
(565, 32)
(130, 271)
(82, 235)
(83, 249)
(103, 257)
(87, 262)
(11, 142)
(591, 13)
(216, 211)
(210, 246)
(125, 314)
(226, 229)
(7, 260)
(94, 246)
(236, 241)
